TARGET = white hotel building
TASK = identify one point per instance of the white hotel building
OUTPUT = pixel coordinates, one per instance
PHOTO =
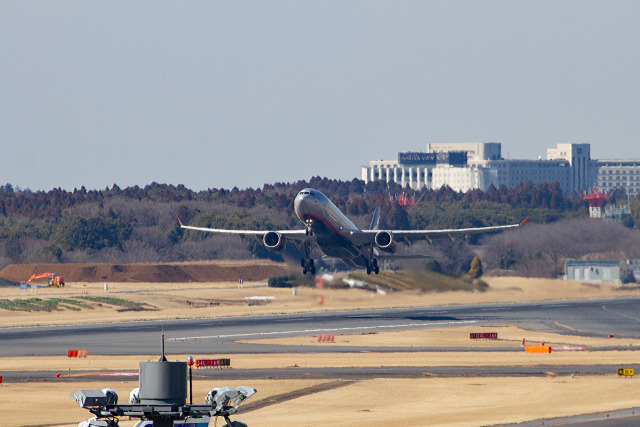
(471, 165)
(619, 174)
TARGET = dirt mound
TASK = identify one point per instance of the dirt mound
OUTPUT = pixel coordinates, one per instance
(157, 273)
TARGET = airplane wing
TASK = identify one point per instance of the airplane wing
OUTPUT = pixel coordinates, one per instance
(295, 236)
(414, 235)
(409, 236)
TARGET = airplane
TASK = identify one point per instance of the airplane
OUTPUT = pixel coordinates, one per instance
(329, 230)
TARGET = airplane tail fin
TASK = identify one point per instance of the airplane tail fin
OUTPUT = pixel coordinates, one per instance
(376, 219)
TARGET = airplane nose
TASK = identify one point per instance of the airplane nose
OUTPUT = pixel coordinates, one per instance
(301, 203)
(298, 202)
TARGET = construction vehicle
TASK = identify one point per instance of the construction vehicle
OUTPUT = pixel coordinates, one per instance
(53, 279)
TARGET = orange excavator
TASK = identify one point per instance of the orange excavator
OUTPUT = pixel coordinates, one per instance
(53, 279)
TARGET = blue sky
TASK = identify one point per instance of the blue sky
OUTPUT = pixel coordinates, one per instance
(223, 94)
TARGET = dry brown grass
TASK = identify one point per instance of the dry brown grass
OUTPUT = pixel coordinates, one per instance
(509, 336)
(190, 300)
(375, 402)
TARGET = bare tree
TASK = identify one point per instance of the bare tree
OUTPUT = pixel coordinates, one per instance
(541, 250)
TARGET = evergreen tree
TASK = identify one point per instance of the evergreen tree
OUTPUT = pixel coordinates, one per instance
(476, 268)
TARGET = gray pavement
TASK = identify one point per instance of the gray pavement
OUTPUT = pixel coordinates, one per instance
(619, 317)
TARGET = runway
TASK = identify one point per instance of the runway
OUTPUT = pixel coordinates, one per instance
(599, 318)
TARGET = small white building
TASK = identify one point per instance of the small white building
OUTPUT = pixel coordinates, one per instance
(592, 271)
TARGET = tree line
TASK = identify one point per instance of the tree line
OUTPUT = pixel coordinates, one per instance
(139, 224)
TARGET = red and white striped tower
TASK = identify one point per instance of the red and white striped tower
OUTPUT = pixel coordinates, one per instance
(596, 200)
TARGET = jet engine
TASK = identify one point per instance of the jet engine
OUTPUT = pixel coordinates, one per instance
(273, 241)
(385, 242)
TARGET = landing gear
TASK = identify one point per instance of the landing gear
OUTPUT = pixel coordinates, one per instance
(373, 266)
(307, 265)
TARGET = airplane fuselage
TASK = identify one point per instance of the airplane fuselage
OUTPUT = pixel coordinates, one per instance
(330, 227)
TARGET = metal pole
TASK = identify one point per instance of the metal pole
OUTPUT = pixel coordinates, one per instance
(190, 365)
(190, 387)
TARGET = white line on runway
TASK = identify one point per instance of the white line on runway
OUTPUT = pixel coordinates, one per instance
(324, 330)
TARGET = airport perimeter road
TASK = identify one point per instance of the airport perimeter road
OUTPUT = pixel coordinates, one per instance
(619, 316)
(623, 418)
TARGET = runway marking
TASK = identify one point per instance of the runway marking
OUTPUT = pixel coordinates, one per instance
(102, 374)
(568, 327)
(118, 374)
(620, 314)
(311, 331)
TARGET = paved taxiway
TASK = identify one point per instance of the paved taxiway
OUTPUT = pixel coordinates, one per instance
(624, 418)
(341, 373)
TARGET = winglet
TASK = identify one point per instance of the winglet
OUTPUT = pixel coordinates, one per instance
(524, 221)
(180, 222)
